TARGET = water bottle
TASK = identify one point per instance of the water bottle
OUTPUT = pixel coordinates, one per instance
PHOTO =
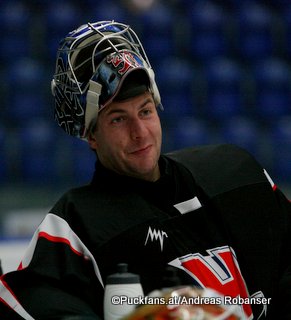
(122, 291)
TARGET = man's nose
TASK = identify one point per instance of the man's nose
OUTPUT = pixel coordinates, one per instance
(137, 128)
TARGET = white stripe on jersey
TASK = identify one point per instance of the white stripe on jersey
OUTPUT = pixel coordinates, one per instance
(57, 229)
(54, 229)
(269, 179)
(8, 298)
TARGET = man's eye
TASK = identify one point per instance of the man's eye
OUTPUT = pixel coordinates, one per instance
(146, 112)
(117, 120)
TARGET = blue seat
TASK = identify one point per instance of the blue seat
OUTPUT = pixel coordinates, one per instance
(158, 20)
(273, 95)
(286, 21)
(64, 15)
(14, 47)
(74, 161)
(22, 106)
(243, 132)
(26, 73)
(27, 86)
(15, 17)
(223, 78)
(207, 36)
(157, 44)
(59, 19)
(83, 161)
(108, 10)
(158, 31)
(189, 132)
(256, 31)
(16, 23)
(281, 143)
(37, 152)
(174, 77)
(3, 155)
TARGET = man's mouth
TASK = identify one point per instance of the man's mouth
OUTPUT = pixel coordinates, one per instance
(141, 151)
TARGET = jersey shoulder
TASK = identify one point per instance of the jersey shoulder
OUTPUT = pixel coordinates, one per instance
(220, 168)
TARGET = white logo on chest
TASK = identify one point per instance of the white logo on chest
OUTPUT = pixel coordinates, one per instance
(156, 235)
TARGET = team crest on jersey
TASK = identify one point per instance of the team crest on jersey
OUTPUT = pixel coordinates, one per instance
(156, 235)
(219, 270)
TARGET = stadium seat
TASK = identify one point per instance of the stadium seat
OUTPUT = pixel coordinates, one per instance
(207, 36)
(83, 161)
(27, 87)
(15, 17)
(174, 77)
(255, 31)
(281, 143)
(158, 32)
(273, 96)
(224, 80)
(62, 16)
(14, 47)
(75, 161)
(286, 20)
(16, 30)
(189, 132)
(26, 73)
(157, 44)
(109, 10)
(37, 152)
(26, 105)
(243, 132)
(158, 20)
(3, 155)
(59, 19)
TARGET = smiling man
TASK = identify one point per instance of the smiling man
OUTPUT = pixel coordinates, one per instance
(211, 214)
(127, 137)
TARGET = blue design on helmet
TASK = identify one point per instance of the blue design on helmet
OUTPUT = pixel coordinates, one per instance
(92, 63)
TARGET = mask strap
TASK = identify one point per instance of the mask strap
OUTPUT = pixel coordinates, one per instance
(92, 102)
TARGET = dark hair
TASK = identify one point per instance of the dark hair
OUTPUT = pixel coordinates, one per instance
(136, 83)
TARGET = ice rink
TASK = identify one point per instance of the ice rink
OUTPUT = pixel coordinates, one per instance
(11, 252)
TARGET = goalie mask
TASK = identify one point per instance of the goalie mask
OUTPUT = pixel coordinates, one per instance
(92, 64)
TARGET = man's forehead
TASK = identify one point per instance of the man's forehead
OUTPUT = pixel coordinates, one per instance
(123, 106)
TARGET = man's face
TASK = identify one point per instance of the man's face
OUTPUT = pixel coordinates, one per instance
(128, 137)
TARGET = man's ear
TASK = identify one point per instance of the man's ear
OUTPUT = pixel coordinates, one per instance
(92, 141)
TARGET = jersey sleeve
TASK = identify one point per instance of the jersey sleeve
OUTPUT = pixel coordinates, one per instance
(284, 289)
(57, 278)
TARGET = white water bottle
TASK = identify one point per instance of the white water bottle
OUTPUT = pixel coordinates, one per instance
(121, 294)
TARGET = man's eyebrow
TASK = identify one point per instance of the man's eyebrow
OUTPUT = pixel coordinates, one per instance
(112, 111)
(123, 110)
(148, 100)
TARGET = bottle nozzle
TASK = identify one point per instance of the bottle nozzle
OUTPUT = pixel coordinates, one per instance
(122, 267)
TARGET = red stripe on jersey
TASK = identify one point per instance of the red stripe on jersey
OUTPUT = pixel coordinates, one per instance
(57, 230)
(52, 238)
(8, 298)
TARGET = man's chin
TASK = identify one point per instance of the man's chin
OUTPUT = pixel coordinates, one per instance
(146, 172)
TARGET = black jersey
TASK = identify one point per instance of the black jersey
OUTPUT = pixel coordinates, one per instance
(215, 216)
